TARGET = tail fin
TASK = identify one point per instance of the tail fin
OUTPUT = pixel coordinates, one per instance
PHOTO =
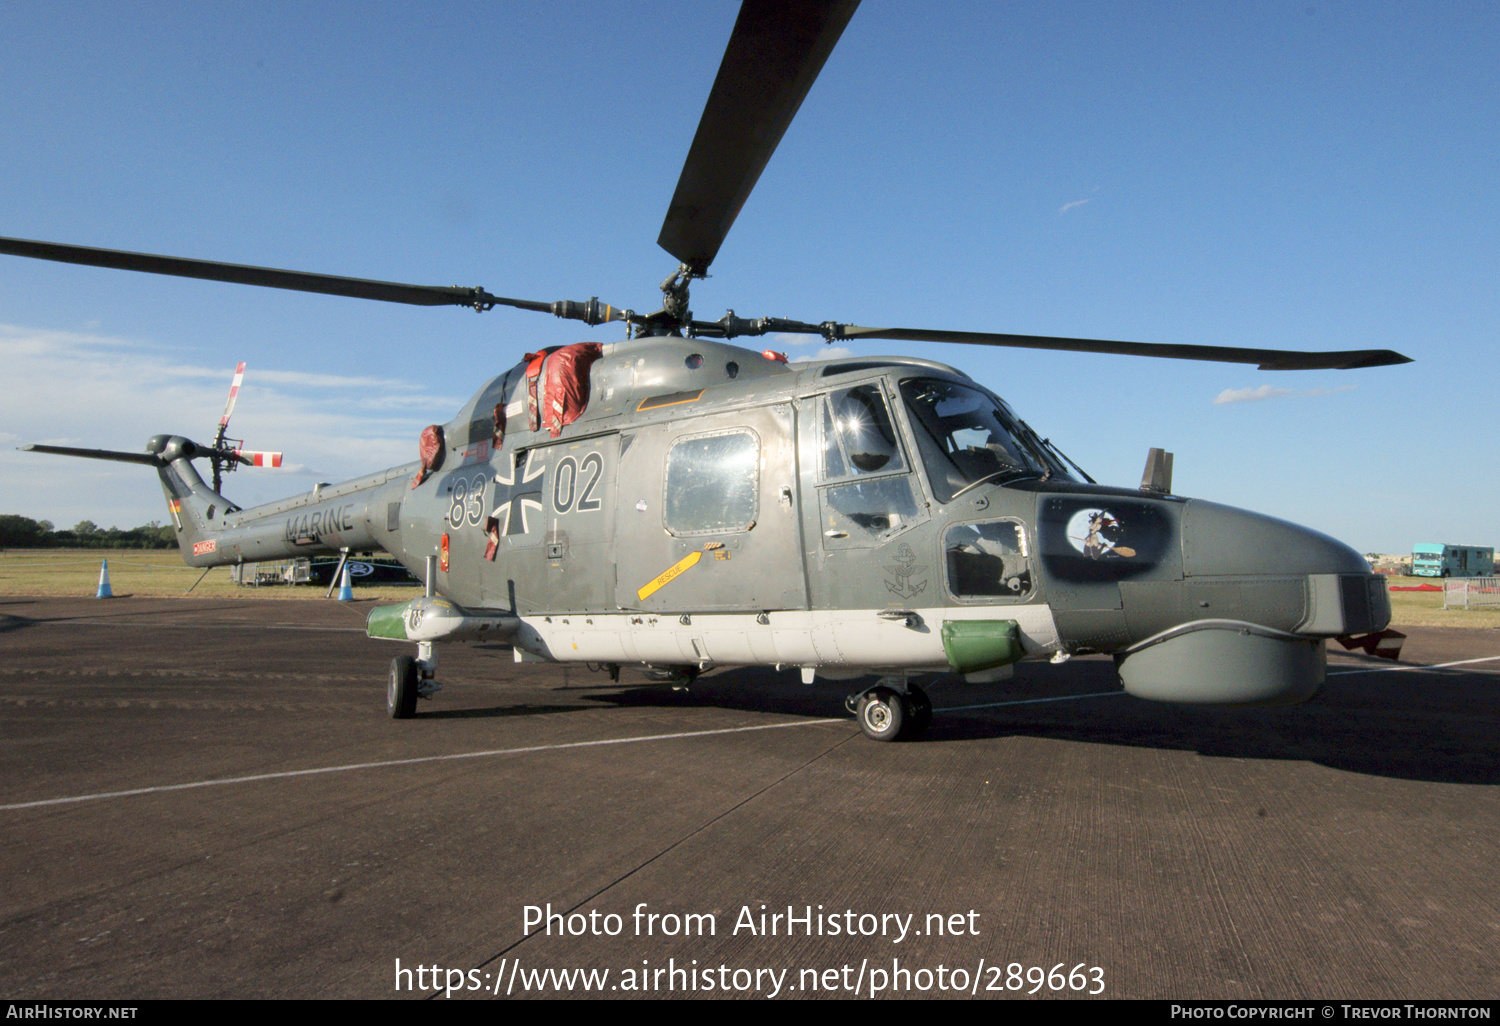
(197, 510)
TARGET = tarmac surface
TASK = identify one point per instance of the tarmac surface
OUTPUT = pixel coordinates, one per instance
(206, 799)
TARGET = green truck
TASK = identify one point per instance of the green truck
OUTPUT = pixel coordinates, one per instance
(1434, 560)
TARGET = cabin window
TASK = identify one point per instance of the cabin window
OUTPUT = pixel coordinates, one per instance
(712, 483)
(987, 560)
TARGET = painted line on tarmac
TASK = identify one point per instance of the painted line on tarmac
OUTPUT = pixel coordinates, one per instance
(1025, 701)
(1434, 666)
(408, 762)
(217, 626)
(496, 752)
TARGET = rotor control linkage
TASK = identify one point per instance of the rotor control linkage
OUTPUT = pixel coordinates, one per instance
(730, 326)
(591, 313)
(674, 293)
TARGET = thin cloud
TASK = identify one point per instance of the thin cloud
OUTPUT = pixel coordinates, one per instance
(82, 389)
(377, 401)
(785, 340)
(302, 379)
(829, 353)
(1076, 203)
(1250, 395)
(1255, 395)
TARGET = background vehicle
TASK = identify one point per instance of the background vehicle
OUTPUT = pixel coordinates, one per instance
(1438, 560)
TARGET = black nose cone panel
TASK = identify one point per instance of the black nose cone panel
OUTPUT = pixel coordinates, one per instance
(1103, 537)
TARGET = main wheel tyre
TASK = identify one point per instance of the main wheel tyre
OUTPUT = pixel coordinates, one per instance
(401, 692)
(918, 710)
(882, 714)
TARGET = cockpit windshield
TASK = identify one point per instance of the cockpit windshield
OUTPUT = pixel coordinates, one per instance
(968, 436)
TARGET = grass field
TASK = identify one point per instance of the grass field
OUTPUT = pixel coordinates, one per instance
(1425, 608)
(148, 573)
(159, 573)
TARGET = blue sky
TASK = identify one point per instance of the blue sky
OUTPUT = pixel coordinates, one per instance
(1284, 175)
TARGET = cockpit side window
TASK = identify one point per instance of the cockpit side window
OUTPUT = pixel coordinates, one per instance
(867, 493)
(833, 453)
(859, 438)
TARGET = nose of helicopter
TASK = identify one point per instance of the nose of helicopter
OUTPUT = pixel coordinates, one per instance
(1225, 541)
(1258, 597)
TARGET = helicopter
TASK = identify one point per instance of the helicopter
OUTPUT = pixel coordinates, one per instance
(674, 503)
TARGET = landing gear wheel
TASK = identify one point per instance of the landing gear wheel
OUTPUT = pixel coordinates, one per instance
(882, 714)
(918, 710)
(401, 692)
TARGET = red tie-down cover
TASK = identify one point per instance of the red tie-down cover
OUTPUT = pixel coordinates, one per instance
(566, 393)
(534, 363)
(430, 448)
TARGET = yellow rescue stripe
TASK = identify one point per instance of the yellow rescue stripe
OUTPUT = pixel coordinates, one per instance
(669, 575)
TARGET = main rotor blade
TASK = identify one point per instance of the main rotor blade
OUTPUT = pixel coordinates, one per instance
(774, 55)
(592, 312)
(241, 274)
(1267, 359)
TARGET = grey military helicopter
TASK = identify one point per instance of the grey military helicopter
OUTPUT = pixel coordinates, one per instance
(673, 503)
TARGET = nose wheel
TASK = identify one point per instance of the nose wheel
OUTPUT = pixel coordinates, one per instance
(401, 691)
(886, 714)
(411, 679)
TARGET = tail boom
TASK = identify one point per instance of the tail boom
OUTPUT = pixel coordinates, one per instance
(213, 531)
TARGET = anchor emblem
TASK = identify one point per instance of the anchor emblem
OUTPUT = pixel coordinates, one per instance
(905, 569)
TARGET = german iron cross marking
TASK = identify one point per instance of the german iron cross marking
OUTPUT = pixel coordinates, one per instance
(514, 498)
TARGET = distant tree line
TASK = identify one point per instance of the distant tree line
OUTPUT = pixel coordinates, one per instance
(18, 532)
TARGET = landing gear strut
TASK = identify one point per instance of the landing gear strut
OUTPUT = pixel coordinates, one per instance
(886, 714)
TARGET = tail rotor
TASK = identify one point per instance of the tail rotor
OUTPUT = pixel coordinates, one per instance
(229, 454)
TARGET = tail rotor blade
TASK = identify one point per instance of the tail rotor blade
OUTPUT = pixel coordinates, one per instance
(250, 458)
(234, 392)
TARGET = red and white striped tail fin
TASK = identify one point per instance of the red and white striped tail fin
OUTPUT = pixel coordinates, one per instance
(234, 392)
(258, 459)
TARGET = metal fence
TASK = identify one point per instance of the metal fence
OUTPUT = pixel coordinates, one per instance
(1471, 593)
(255, 574)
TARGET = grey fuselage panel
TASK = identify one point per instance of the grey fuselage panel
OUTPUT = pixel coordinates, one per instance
(706, 479)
